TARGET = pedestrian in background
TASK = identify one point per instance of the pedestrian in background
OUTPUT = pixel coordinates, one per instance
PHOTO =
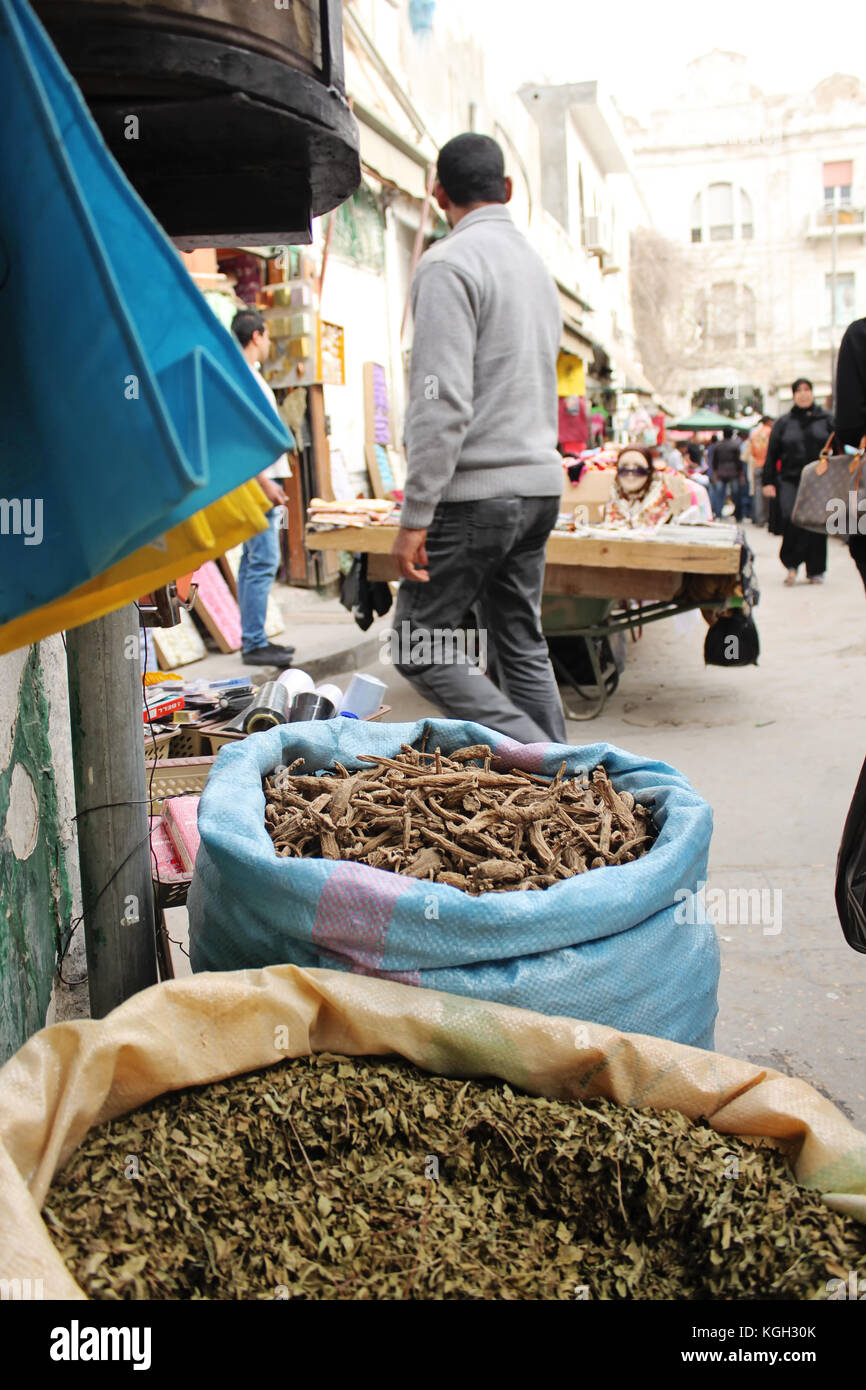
(727, 475)
(756, 457)
(484, 478)
(796, 439)
(261, 555)
(851, 411)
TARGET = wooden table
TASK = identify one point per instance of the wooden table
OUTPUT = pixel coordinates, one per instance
(596, 564)
(669, 571)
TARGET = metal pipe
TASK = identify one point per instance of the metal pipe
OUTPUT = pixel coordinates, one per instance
(103, 666)
(833, 313)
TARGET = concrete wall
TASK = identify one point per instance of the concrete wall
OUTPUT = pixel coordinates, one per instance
(39, 882)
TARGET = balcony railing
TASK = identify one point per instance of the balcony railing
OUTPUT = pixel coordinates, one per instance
(850, 221)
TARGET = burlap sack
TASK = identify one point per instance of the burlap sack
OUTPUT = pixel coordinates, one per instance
(188, 1032)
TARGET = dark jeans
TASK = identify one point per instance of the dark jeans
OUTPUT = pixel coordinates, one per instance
(739, 496)
(488, 555)
(799, 547)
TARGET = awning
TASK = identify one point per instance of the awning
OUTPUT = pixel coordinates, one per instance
(387, 155)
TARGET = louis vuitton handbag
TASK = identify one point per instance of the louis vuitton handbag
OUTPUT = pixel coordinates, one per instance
(831, 497)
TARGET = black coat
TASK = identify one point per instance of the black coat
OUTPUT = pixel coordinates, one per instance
(851, 385)
(795, 440)
(727, 461)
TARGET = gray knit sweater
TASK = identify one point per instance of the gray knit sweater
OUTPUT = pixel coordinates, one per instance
(482, 416)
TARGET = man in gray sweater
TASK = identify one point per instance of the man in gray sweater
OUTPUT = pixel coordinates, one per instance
(484, 476)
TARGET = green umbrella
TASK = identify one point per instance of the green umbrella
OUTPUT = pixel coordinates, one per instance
(707, 420)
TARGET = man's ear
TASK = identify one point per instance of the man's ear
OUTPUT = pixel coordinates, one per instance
(441, 197)
(509, 189)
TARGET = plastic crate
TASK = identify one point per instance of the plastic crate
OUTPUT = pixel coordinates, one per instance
(169, 777)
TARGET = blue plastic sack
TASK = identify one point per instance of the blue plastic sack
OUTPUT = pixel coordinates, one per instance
(604, 946)
(125, 406)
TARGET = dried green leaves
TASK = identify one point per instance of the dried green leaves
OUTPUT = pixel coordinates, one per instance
(331, 1177)
(453, 820)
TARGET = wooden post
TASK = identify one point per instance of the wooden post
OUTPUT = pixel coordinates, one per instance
(104, 671)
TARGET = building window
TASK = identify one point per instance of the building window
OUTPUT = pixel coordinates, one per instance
(726, 318)
(845, 295)
(722, 213)
(697, 218)
(838, 178)
(747, 230)
(748, 316)
(723, 317)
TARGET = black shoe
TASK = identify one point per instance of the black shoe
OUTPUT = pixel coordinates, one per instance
(269, 655)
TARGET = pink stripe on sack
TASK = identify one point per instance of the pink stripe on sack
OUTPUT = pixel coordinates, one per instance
(355, 911)
(529, 757)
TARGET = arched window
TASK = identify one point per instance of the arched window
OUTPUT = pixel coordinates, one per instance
(723, 316)
(747, 230)
(718, 215)
(721, 211)
(726, 318)
(749, 316)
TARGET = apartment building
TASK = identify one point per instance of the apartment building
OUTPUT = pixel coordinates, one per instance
(758, 202)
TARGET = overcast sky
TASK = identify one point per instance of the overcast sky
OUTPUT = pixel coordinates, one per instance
(638, 49)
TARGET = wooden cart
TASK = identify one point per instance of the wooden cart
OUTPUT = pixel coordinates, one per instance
(598, 582)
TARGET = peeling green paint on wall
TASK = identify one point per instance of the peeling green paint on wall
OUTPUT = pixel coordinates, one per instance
(35, 896)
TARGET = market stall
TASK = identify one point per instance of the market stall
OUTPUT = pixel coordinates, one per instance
(590, 572)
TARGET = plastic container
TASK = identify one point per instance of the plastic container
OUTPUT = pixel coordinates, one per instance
(332, 693)
(363, 696)
(295, 681)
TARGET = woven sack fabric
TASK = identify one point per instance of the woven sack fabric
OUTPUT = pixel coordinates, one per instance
(191, 1032)
(606, 945)
(125, 405)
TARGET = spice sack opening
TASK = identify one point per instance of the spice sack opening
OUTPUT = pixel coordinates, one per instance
(608, 945)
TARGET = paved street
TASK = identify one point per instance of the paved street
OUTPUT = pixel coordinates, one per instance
(776, 750)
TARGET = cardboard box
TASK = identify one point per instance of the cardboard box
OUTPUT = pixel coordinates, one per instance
(592, 492)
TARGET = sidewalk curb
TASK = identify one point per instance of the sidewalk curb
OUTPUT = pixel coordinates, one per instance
(351, 658)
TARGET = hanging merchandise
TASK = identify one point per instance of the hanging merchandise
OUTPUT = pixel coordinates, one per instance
(570, 375)
(129, 408)
(573, 424)
(184, 548)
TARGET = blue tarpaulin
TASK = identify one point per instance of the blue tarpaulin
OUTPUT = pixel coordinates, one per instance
(125, 406)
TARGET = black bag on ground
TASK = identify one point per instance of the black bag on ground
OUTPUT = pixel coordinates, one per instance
(732, 641)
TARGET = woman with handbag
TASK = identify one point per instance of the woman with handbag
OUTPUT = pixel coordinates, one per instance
(796, 439)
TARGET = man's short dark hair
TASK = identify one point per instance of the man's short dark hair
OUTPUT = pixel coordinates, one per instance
(471, 169)
(728, 432)
(245, 323)
(801, 381)
(766, 419)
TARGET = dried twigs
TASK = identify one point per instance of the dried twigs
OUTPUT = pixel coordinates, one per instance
(454, 820)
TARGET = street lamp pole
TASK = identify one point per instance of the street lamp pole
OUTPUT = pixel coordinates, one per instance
(833, 311)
